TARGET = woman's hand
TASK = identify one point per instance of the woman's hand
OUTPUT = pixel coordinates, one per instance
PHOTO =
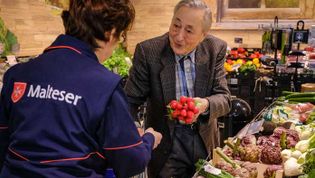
(157, 136)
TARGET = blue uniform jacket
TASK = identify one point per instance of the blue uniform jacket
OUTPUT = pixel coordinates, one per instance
(64, 115)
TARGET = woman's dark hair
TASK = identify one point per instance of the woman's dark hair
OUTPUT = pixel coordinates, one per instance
(88, 20)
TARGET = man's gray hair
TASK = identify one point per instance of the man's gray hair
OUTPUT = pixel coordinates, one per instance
(198, 4)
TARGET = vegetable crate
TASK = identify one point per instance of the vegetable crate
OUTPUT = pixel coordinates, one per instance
(261, 168)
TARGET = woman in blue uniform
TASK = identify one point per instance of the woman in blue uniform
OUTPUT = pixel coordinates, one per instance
(63, 114)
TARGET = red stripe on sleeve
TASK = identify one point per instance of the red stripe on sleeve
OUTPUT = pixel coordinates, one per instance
(73, 159)
(124, 147)
(18, 155)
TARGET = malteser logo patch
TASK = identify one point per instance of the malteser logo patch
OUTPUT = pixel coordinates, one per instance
(18, 91)
(43, 92)
(50, 93)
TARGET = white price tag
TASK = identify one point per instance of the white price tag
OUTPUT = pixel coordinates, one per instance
(212, 170)
(233, 81)
(11, 60)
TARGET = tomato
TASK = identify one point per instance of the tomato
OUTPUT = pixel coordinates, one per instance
(234, 52)
(311, 56)
(253, 56)
(229, 61)
(309, 49)
(241, 55)
(240, 50)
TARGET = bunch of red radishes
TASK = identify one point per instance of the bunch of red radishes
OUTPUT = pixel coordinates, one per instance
(183, 110)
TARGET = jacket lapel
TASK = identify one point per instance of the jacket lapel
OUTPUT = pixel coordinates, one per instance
(168, 78)
(167, 75)
(202, 72)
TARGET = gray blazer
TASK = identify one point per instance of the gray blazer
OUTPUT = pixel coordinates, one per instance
(152, 78)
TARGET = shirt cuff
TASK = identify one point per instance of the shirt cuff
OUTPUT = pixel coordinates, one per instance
(138, 125)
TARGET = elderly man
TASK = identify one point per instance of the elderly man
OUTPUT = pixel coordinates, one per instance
(186, 61)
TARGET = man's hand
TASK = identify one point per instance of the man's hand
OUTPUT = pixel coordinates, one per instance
(202, 105)
(157, 136)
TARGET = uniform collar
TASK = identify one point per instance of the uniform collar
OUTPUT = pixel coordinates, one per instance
(74, 44)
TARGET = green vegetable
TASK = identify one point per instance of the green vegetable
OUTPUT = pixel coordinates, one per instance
(309, 165)
(304, 145)
(300, 95)
(247, 68)
(283, 45)
(303, 176)
(266, 36)
(3, 29)
(311, 118)
(11, 39)
(7, 38)
(117, 62)
(280, 100)
(286, 93)
(303, 99)
(312, 141)
(283, 140)
(226, 158)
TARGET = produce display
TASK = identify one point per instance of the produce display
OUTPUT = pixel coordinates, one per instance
(242, 60)
(244, 53)
(293, 107)
(283, 147)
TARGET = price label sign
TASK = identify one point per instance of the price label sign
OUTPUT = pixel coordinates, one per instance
(300, 36)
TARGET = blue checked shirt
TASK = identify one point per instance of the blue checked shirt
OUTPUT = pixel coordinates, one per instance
(185, 75)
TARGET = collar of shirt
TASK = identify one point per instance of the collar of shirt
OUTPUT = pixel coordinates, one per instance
(78, 45)
(191, 55)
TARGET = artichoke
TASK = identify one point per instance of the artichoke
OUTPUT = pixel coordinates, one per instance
(271, 155)
(249, 153)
